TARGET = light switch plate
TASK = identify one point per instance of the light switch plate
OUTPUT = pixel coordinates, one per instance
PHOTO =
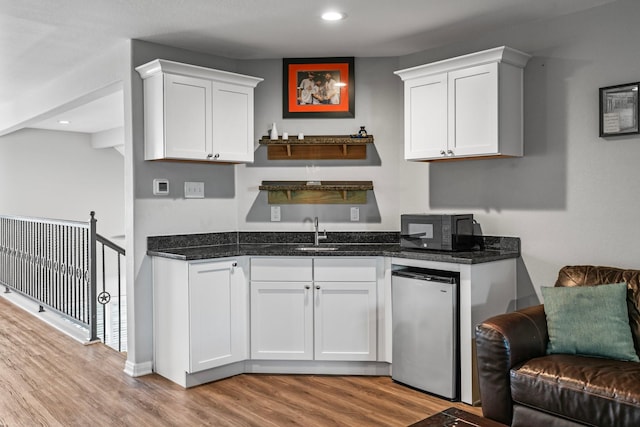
(275, 213)
(194, 190)
(355, 214)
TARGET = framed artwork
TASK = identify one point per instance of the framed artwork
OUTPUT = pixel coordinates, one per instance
(619, 110)
(318, 88)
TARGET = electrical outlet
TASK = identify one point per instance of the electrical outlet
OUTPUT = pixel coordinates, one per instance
(355, 214)
(194, 190)
(275, 213)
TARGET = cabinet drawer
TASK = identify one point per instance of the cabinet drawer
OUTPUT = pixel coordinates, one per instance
(345, 269)
(282, 269)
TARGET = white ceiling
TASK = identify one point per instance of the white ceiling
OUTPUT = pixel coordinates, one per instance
(40, 39)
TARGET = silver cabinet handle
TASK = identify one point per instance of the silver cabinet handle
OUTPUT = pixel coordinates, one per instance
(217, 156)
(443, 153)
(210, 155)
(235, 264)
(450, 153)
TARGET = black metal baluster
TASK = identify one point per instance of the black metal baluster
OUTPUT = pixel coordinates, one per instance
(119, 306)
(104, 306)
(86, 315)
(92, 279)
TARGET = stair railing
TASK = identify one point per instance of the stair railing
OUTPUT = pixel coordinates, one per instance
(111, 284)
(54, 262)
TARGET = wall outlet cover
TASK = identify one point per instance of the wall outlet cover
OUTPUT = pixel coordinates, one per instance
(275, 214)
(355, 214)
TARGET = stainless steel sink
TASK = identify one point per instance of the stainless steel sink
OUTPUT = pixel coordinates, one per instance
(316, 248)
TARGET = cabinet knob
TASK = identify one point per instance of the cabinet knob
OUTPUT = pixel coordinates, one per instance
(209, 156)
(217, 156)
(307, 287)
(443, 153)
(235, 264)
(450, 153)
(317, 286)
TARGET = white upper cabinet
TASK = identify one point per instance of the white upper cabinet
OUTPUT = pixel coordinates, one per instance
(197, 113)
(465, 107)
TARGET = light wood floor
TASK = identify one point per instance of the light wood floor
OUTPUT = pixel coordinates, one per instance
(48, 379)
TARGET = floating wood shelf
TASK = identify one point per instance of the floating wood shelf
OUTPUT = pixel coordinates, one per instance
(322, 147)
(316, 192)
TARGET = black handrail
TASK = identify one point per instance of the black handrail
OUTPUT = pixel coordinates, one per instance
(110, 244)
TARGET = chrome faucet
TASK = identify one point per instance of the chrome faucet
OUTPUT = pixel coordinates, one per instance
(317, 237)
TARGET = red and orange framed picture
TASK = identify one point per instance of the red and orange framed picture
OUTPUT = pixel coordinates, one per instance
(318, 88)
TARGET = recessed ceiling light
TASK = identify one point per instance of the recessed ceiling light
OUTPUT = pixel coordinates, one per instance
(333, 16)
(64, 122)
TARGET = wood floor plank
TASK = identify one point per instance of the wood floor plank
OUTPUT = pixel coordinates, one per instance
(48, 379)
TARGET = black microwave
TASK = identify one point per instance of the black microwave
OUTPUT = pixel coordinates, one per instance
(443, 232)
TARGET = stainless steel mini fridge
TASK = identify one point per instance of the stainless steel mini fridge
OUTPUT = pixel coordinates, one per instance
(425, 330)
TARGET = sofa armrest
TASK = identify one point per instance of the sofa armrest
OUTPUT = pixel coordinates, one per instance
(502, 342)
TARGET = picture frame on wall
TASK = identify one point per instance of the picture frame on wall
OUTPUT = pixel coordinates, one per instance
(318, 88)
(619, 114)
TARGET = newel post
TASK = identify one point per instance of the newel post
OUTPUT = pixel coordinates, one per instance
(93, 324)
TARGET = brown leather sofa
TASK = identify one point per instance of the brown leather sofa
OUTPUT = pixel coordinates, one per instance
(520, 385)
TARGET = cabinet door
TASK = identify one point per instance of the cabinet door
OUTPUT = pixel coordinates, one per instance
(281, 320)
(187, 117)
(473, 110)
(232, 123)
(425, 128)
(345, 320)
(217, 313)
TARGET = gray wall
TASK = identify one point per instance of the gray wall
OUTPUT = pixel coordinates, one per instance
(59, 175)
(149, 215)
(378, 107)
(572, 198)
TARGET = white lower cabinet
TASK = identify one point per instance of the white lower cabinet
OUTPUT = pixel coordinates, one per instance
(295, 316)
(301, 315)
(281, 320)
(217, 324)
(200, 316)
(345, 321)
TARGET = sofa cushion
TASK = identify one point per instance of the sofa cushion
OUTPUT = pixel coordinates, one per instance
(589, 390)
(589, 320)
(590, 275)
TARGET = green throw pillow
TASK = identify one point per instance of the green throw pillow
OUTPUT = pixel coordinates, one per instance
(589, 320)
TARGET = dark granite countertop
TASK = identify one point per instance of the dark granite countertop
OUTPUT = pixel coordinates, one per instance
(230, 244)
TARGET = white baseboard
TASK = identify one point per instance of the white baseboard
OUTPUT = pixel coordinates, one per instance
(138, 369)
(312, 367)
